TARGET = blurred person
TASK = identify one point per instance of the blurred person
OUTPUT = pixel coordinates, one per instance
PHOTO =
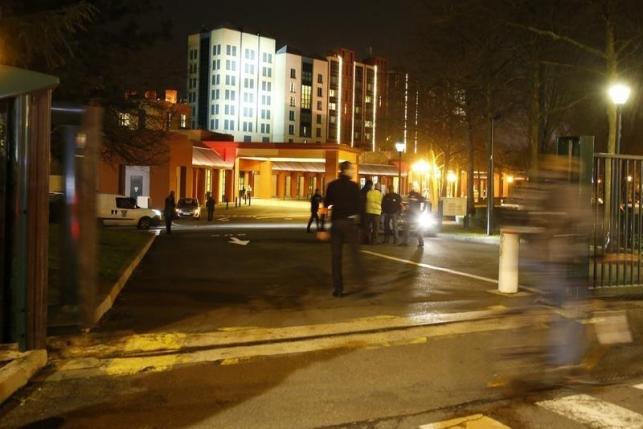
(249, 195)
(344, 199)
(209, 204)
(391, 207)
(415, 205)
(242, 196)
(315, 201)
(169, 211)
(373, 213)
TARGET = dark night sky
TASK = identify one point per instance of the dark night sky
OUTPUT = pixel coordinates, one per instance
(313, 27)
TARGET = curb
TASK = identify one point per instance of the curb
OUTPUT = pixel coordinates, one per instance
(109, 300)
(17, 373)
(482, 240)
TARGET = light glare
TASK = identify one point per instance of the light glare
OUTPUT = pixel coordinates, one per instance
(619, 93)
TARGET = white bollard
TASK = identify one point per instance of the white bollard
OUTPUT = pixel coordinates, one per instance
(508, 266)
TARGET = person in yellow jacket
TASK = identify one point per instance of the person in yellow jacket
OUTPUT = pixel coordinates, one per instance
(373, 212)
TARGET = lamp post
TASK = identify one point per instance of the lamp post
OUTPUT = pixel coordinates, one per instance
(619, 93)
(493, 119)
(400, 148)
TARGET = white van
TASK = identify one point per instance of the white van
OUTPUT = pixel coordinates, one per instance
(114, 209)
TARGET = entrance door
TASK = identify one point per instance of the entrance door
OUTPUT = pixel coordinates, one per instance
(136, 186)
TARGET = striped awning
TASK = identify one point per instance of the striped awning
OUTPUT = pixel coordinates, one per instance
(379, 170)
(308, 167)
(204, 157)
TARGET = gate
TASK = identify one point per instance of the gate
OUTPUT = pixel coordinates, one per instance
(616, 245)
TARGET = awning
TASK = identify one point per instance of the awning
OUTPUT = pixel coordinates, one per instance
(379, 170)
(204, 157)
(308, 167)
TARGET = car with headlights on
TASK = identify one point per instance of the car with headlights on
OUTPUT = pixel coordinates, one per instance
(188, 207)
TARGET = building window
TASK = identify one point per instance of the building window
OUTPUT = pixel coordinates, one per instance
(319, 92)
(292, 86)
(318, 118)
(332, 93)
(124, 119)
(226, 109)
(212, 124)
(318, 132)
(231, 109)
(368, 99)
(267, 128)
(306, 97)
(216, 124)
(292, 101)
(293, 74)
(319, 105)
(226, 123)
(332, 106)
(228, 50)
(183, 120)
(234, 51)
(291, 115)
(291, 130)
(216, 109)
(247, 139)
(320, 78)
(232, 124)
(368, 124)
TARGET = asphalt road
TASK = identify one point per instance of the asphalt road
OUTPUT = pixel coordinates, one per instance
(197, 279)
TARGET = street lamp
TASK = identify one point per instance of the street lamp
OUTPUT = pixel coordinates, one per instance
(619, 93)
(400, 147)
(490, 175)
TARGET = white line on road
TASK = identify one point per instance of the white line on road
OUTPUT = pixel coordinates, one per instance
(593, 412)
(432, 267)
(638, 386)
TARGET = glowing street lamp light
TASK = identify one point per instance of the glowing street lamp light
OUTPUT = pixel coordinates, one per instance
(421, 166)
(510, 179)
(452, 177)
(400, 147)
(619, 94)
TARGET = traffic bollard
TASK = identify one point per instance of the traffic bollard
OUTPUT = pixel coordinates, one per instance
(508, 265)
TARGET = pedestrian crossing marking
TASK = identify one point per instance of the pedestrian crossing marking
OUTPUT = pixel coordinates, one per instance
(593, 412)
(476, 421)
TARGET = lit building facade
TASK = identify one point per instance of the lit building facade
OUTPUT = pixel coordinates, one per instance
(401, 114)
(300, 100)
(230, 83)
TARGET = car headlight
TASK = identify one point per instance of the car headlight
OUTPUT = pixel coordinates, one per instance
(156, 213)
(426, 220)
(197, 211)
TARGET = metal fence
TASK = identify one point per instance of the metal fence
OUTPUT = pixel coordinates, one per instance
(616, 245)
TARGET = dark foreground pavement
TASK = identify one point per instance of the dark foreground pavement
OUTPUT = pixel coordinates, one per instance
(390, 386)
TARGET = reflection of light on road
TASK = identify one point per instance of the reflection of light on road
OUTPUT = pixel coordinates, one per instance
(254, 225)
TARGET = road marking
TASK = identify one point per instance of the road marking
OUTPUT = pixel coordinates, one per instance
(476, 421)
(233, 350)
(235, 240)
(593, 412)
(638, 386)
(432, 267)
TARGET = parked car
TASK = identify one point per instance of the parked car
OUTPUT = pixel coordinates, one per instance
(188, 207)
(114, 209)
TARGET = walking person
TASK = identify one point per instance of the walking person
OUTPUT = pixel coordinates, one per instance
(169, 211)
(315, 200)
(343, 198)
(416, 204)
(391, 208)
(210, 206)
(373, 213)
(249, 195)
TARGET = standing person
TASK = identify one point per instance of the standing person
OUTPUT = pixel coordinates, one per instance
(391, 207)
(315, 200)
(343, 197)
(373, 213)
(242, 195)
(368, 185)
(416, 204)
(169, 211)
(210, 206)
(249, 195)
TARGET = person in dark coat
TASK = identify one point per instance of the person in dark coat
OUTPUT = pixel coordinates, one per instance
(169, 211)
(344, 199)
(315, 200)
(209, 204)
(391, 207)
